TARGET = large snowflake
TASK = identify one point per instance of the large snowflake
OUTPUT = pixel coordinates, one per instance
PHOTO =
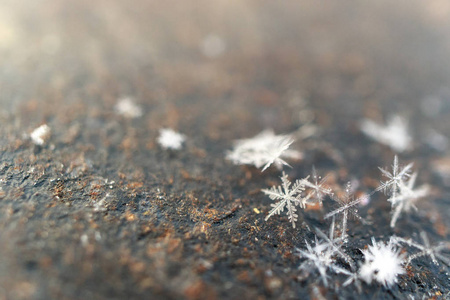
(263, 150)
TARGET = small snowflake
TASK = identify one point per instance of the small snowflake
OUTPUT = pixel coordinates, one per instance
(316, 188)
(395, 180)
(335, 244)
(395, 134)
(347, 208)
(127, 108)
(263, 150)
(426, 249)
(170, 139)
(406, 198)
(41, 134)
(289, 197)
(383, 263)
(320, 257)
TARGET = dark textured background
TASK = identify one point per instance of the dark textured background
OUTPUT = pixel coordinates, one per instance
(183, 224)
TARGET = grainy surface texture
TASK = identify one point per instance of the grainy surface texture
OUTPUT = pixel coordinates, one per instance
(101, 211)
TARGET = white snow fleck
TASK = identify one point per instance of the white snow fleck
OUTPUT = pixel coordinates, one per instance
(127, 108)
(41, 134)
(263, 150)
(170, 139)
(394, 134)
(212, 46)
(383, 263)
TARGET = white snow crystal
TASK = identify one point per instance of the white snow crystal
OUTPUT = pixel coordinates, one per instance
(434, 252)
(394, 134)
(263, 150)
(347, 208)
(407, 197)
(403, 195)
(170, 139)
(320, 257)
(395, 179)
(288, 197)
(383, 263)
(127, 108)
(41, 134)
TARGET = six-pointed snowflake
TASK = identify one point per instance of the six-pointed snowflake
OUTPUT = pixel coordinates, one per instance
(288, 197)
(322, 258)
(316, 189)
(347, 208)
(395, 180)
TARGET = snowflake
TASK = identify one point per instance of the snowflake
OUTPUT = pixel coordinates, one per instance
(395, 180)
(289, 197)
(317, 190)
(406, 198)
(335, 244)
(426, 249)
(263, 150)
(346, 207)
(41, 134)
(395, 134)
(383, 263)
(170, 139)
(320, 257)
(127, 108)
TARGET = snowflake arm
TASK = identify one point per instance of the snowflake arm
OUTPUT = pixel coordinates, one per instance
(286, 196)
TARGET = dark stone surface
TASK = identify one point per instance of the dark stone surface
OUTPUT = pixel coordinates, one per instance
(185, 224)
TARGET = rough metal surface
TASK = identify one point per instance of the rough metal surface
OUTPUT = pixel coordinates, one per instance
(102, 212)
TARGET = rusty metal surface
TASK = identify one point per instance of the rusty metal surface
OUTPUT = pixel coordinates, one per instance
(100, 211)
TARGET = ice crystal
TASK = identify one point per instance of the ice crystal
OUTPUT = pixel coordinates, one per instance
(40, 135)
(127, 108)
(347, 208)
(426, 249)
(394, 134)
(383, 263)
(263, 150)
(335, 244)
(395, 180)
(288, 197)
(317, 190)
(170, 139)
(320, 257)
(406, 198)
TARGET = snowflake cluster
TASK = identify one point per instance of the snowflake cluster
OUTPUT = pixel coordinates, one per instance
(400, 187)
(383, 261)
